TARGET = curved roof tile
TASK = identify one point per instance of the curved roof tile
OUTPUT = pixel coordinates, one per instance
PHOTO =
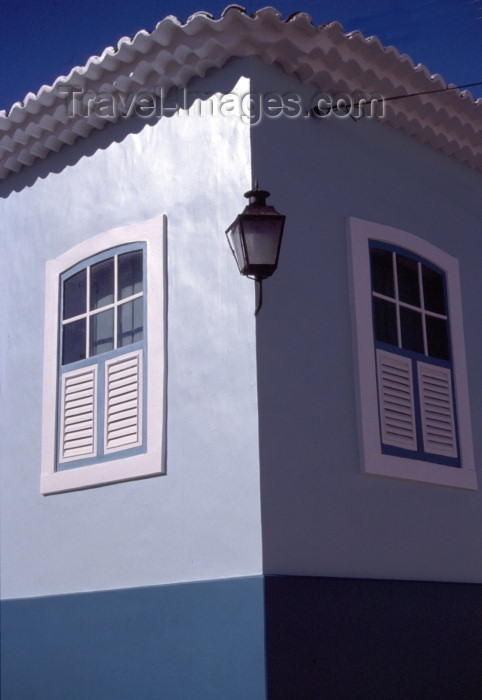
(174, 53)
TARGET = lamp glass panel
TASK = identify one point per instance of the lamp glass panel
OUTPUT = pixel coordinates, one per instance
(234, 238)
(262, 239)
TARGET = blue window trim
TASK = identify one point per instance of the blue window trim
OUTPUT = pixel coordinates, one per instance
(100, 361)
(413, 356)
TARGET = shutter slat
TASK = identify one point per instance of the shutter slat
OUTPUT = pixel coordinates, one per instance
(123, 406)
(77, 414)
(123, 367)
(437, 409)
(74, 432)
(123, 442)
(76, 395)
(78, 442)
(122, 399)
(118, 377)
(128, 386)
(79, 411)
(81, 376)
(123, 402)
(74, 420)
(79, 452)
(124, 433)
(78, 403)
(396, 402)
(121, 424)
(123, 412)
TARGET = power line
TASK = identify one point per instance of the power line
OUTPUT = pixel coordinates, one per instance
(317, 111)
(430, 92)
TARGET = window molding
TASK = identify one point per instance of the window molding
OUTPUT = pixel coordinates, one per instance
(151, 462)
(373, 460)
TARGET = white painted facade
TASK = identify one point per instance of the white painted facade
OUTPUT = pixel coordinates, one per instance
(201, 520)
(322, 516)
(293, 498)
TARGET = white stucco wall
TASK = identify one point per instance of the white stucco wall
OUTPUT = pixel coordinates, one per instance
(202, 519)
(321, 514)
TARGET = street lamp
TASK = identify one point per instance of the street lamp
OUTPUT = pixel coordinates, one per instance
(255, 239)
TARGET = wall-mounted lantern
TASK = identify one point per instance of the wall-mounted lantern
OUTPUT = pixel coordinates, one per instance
(255, 239)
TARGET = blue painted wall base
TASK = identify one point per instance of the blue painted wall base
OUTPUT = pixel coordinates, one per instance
(312, 638)
(199, 641)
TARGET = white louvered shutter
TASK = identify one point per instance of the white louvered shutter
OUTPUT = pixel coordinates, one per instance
(78, 414)
(123, 402)
(437, 409)
(396, 402)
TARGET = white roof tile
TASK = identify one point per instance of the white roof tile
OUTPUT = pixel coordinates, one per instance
(448, 120)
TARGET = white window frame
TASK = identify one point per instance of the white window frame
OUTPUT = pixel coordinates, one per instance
(153, 234)
(373, 461)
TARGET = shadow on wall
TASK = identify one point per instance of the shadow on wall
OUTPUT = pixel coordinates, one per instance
(216, 81)
(360, 639)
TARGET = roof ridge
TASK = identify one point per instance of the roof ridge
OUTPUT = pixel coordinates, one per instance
(175, 52)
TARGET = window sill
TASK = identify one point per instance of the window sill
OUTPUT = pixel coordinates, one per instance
(424, 472)
(114, 471)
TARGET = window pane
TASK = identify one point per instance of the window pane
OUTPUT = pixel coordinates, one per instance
(73, 342)
(130, 324)
(433, 290)
(408, 286)
(411, 327)
(102, 332)
(130, 274)
(102, 283)
(437, 338)
(74, 295)
(382, 272)
(385, 318)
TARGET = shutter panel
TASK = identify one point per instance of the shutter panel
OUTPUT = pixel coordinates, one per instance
(123, 402)
(78, 414)
(437, 409)
(395, 399)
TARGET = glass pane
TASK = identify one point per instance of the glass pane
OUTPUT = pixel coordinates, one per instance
(74, 295)
(102, 332)
(73, 342)
(433, 290)
(102, 284)
(234, 238)
(385, 319)
(130, 324)
(408, 286)
(437, 337)
(411, 327)
(382, 271)
(130, 274)
(262, 247)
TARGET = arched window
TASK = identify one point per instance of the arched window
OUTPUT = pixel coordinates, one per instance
(413, 356)
(412, 392)
(102, 350)
(103, 409)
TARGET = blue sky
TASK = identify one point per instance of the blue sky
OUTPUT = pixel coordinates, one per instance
(40, 40)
